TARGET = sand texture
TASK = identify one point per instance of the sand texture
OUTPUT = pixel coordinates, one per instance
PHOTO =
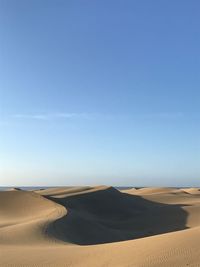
(100, 226)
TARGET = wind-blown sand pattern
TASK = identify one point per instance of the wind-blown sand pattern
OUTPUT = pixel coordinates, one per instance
(100, 226)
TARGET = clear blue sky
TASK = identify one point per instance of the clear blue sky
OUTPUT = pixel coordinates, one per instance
(100, 92)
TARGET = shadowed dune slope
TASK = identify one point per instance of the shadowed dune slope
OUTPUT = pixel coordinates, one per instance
(107, 215)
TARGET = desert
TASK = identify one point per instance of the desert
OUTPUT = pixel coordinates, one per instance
(100, 226)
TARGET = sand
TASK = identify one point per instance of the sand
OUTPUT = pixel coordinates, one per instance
(100, 226)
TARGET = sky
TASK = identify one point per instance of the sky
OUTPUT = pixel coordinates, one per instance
(99, 92)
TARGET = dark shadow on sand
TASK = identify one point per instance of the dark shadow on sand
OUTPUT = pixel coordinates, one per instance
(108, 216)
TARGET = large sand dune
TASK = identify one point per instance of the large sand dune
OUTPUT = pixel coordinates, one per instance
(100, 226)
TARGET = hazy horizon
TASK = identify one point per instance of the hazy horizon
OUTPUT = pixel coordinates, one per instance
(99, 92)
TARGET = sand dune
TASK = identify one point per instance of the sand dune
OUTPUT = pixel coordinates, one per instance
(152, 190)
(62, 190)
(192, 191)
(100, 226)
(129, 191)
(24, 217)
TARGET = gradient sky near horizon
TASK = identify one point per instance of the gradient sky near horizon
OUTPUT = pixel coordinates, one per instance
(100, 92)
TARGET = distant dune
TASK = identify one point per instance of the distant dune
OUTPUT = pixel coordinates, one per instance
(192, 191)
(100, 226)
(150, 190)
